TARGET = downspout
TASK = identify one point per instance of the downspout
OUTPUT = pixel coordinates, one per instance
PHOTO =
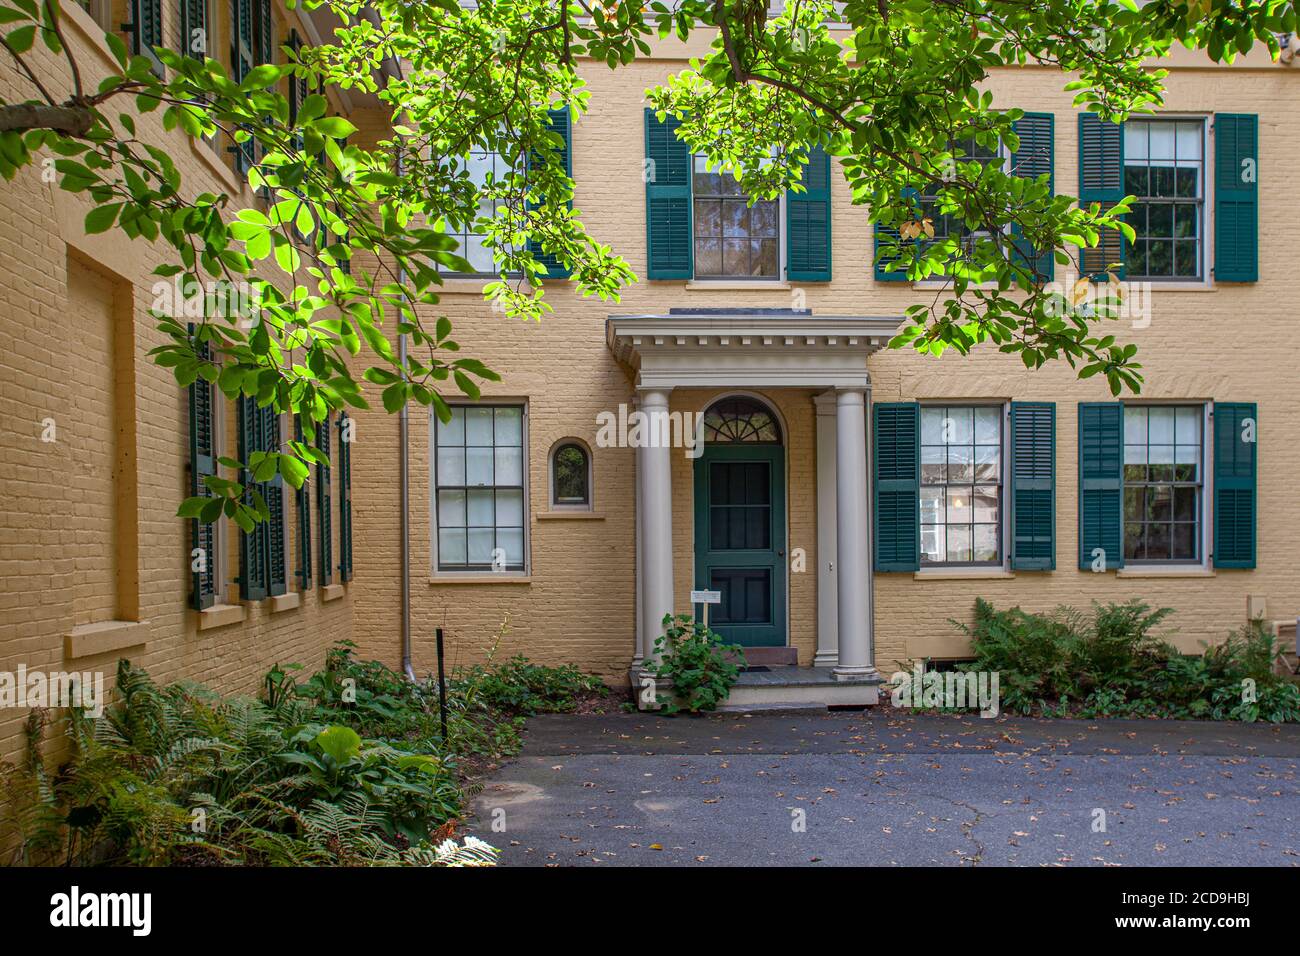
(393, 67)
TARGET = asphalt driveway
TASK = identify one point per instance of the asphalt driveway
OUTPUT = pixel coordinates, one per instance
(888, 788)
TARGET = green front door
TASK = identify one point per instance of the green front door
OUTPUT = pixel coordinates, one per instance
(740, 540)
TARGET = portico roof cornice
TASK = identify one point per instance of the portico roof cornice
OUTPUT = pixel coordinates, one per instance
(749, 349)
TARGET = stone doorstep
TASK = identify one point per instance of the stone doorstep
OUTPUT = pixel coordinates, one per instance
(786, 688)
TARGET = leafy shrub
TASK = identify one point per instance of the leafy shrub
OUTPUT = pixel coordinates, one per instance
(700, 666)
(519, 686)
(1065, 663)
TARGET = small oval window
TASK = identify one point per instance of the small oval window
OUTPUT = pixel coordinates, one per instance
(570, 476)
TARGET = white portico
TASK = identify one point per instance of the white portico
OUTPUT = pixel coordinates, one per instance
(764, 350)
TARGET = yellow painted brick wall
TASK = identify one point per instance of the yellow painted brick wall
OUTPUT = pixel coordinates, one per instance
(59, 532)
(1231, 343)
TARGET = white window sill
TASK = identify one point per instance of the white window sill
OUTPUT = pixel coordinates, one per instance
(576, 514)
(503, 577)
(332, 592)
(1167, 571)
(963, 574)
(737, 285)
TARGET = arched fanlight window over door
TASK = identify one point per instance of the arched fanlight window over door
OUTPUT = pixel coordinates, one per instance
(741, 420)
(570, 476)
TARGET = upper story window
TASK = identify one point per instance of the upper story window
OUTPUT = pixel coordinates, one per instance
(961, 484)
(486, 168)
(479, 489)
(1164, 167)
(1163, 482)
(732, 238)
(949, 224)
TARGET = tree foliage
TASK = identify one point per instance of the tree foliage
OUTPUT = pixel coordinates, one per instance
(339, 260)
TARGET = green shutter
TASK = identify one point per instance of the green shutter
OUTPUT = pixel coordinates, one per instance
(896, 457)
(669, 246)
(885, 270)
(252, 544)
(194, 19)
(273, 492)
(1101, 180)
(324, 503)
(1036, 157)
(1033, 486)
(1236, 197)
(302, 501)
(265, 32)
(242, 51)
(146, 30)
(1101, 483)
(1236, 433)
(203, 462)
(560, 122)
(345, 498)
(808, 222)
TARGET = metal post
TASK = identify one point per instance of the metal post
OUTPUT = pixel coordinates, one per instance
(442, 690)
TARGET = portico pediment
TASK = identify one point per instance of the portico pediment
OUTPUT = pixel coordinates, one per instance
(764, 348)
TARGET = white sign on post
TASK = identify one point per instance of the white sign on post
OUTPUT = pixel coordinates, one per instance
(706, 598)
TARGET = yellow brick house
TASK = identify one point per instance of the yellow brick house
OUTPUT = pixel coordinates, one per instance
(847, 501)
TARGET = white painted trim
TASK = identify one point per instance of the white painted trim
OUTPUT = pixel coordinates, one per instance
(828, 648)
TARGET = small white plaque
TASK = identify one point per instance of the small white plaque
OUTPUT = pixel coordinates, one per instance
(706, 597)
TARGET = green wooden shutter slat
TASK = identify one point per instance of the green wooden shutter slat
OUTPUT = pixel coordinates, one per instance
(302, 501)
(265, 32)
(1101, 482)
(252, 544)
(1033, 486)
(1236, 427)
(808, 222)
(669, 246)
(203, 462)
(324, 503)
(560, 122)
(242, 50)
(1101, 180)
(1035, 157)
(896, 461)
(1236, 197)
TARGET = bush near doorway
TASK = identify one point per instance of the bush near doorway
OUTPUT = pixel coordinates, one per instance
(701, 667)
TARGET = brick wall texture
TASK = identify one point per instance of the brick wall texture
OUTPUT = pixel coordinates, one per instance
(77, 549)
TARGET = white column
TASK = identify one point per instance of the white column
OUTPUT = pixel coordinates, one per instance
(853, 546)
(828, 628)
(638, 650)
(657, 531)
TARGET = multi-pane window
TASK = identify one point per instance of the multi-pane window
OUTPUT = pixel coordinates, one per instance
(732, 238)
(1163, 478)
(1164, 168)
(485, 168)
(479, 488)
(961, 484)
(949, 224)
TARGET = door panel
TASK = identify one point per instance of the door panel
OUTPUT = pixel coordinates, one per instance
(740, 540)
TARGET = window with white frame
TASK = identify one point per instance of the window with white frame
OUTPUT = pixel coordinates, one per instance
(732, 238)
(486, 168)
(479, 489)
(1163, 482)
(950, 224)
(1164, 168)
(961, 484)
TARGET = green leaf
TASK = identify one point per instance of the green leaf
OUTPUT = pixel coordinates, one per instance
(101, 218)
